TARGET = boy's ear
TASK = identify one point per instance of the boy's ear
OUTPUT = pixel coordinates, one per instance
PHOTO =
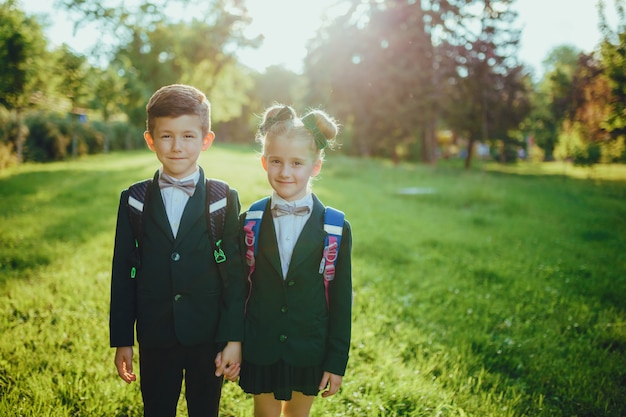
(264, 162)
(149, 140)
(207, 140)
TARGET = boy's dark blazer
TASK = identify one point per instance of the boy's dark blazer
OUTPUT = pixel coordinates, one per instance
(177, 295)
(287, 318)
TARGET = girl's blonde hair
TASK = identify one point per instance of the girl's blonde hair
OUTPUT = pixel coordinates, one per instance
(279, 121)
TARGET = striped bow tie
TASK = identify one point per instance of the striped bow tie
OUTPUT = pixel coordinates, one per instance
(188, 186)
(283, 210)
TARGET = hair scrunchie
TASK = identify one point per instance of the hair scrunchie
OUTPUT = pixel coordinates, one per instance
(310, 122)
(283, 114)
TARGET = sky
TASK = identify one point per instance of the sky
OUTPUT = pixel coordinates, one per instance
(288, 24)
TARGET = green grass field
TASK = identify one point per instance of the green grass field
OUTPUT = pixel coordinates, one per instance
(495, 292)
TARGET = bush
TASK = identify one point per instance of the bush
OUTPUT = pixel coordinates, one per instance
(7, 156)
(587, 156)
(45, 142)
(120, 136)
(88, 140)
(614, 150)
(54, 137)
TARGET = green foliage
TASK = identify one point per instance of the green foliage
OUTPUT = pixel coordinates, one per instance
(120, 135)
(7, 155)
(45, 142)
(552, 100)
(587, 156)
(198, 52)
(613, 52)
(52, 137)
(23, 47)
(8, 137)
(476, 293)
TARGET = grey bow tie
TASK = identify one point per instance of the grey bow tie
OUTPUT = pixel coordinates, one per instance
(188, 186)
(283, 210)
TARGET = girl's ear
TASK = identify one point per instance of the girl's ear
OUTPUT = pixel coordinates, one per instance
(149, 140)
(317, 168)
(264, 162)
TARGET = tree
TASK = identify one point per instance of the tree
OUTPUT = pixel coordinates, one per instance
(75, 75)
(613, 56)
(108, 97)
(22, 51)
(189, 53)
(155, 50)
(393, 68)
(489, 91)
(379, 66)
(553, 100)
(590, 107)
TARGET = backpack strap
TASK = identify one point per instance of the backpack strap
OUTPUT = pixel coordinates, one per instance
(252, 225)
(333, 226)
(137, 196)
(217, 200)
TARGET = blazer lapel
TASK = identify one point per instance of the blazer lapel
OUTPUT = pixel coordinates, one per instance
(267, 241)
(195, 207)
(157, 208)
(312, 234)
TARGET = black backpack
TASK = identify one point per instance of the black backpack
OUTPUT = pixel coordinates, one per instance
(217, 199)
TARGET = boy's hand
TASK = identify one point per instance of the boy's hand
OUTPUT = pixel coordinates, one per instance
(228, 361)
(330, 384)
(124, 363)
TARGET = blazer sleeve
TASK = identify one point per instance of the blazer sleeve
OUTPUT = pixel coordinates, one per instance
(234, 292)
(340, 311)
(122, 311)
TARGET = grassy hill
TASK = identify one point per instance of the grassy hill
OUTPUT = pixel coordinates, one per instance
(484, 293)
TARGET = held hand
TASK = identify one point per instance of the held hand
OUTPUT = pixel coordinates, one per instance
(124, 363)
(330, 384)
(228, 361)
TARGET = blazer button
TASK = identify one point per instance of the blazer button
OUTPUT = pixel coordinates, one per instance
(175, 256)
(283, 309)
(177, 297)
(283, 338)
(291, 283)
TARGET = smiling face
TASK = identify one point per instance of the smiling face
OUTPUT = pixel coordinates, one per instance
(290, 164)
(178, 142)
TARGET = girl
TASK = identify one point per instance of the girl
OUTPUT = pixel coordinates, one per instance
(296, 339)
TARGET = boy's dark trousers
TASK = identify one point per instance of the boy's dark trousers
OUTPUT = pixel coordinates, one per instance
(161, 375)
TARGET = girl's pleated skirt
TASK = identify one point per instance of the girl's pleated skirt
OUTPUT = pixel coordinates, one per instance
(280, 378)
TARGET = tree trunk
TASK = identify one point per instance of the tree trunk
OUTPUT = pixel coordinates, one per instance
(429, 143)
(20, 136)
(470, 152)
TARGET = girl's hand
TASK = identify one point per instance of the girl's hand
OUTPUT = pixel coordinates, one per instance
(330, 384)
(228, 361)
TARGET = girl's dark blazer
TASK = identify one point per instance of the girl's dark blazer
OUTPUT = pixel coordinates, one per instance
(287, 318)
(177, 295)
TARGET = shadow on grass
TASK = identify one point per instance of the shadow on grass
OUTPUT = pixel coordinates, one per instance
(46, 214)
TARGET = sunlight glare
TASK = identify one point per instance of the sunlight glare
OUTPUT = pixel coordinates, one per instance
(286, 26)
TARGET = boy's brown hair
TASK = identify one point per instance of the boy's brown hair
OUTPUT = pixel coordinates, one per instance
(177, 100)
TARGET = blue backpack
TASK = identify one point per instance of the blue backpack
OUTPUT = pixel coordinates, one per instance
(333, 225)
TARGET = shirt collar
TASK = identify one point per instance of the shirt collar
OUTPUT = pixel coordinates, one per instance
(195, 176)
(306, 201)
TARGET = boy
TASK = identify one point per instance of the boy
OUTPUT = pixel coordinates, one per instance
(183, 311)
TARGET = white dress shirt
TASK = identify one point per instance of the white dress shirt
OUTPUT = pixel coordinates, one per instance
(175, 201)
(289, 227)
